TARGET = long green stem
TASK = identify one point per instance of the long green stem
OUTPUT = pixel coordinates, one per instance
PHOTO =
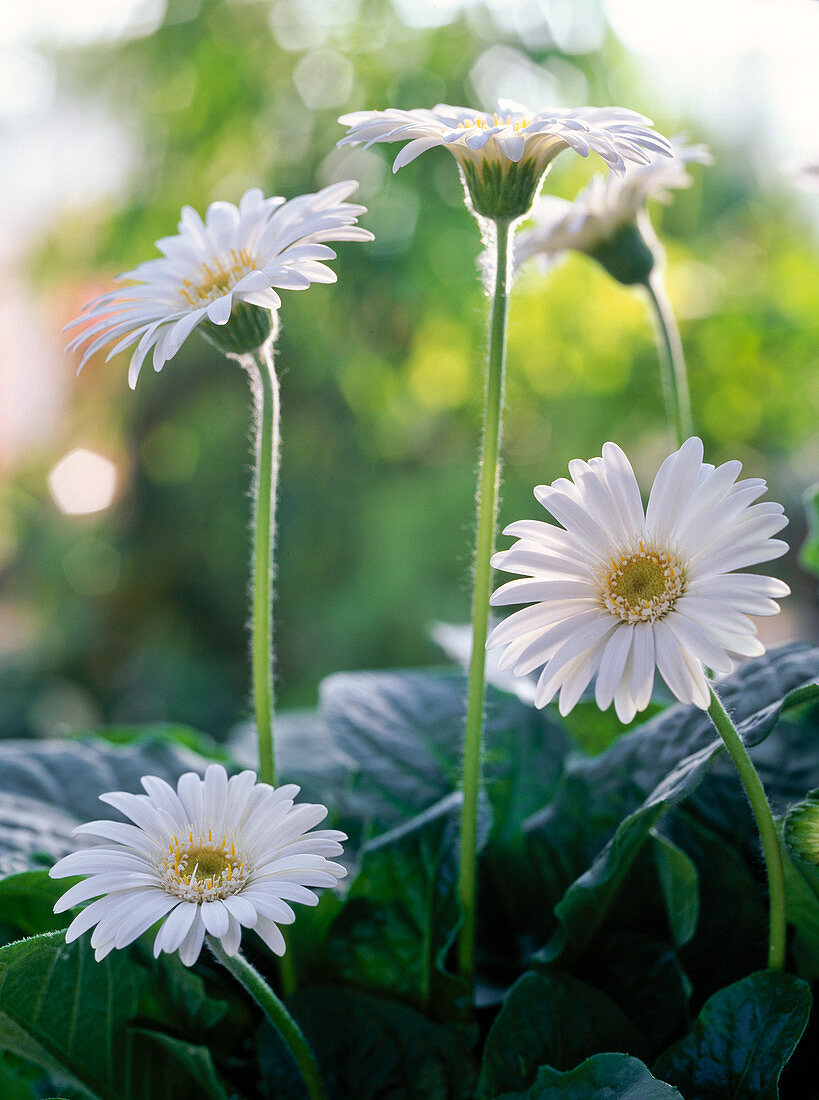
(487, 501)
(767, 830)
(252, 981)
(675, 378)
(265, 386)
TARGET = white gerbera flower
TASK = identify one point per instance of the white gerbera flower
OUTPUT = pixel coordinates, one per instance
(214, 855)
(607, 205)
(236, 255)
(504, 155)
(618, 592)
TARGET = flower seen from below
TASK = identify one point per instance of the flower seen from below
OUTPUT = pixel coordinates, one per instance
(504, 155)
(214, 855)
(618, 592)
(214, 270)
(607, 220)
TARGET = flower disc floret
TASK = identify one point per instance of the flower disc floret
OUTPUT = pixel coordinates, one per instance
(641, 586)
(504, 155)
(221, 273)
(619, 592)
(212, 856)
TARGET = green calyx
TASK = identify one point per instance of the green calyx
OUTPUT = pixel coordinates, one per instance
(502, 189)
(801, 831)
(626, 255)
(247, 330)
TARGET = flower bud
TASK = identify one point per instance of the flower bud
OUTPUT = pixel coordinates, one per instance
(801, 830)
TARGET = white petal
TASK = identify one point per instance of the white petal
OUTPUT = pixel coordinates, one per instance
(192, 944)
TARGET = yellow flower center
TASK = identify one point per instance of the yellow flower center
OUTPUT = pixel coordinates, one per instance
(482, 123)
(197, 867)
(642, 586)
(217, 276)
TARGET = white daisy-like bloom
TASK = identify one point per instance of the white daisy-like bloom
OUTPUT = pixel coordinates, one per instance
(512, 131)
(213, 856)
(618, 592)
(510, 149)
(236, 255)
(606, 205)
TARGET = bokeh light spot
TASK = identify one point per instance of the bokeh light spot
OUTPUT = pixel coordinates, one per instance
(83, 482)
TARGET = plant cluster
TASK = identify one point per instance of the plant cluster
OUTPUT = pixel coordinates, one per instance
(522, 921)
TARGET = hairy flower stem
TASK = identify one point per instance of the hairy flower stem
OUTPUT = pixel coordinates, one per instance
(251, 980)
(767, 830)
(675, 378)
(487, 505)
(265, 386)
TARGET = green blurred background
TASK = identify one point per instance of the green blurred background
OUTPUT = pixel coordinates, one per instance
(126, 111)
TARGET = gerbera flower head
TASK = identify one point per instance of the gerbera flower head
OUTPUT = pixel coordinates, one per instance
(619, 591)
(608, 219)
(214, 855)
(503, 156)
(222, 274)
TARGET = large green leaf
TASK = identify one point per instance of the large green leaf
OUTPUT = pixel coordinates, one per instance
(550, 1018)
(307, 753)
(679, 881)
(401, 914)
(788, 766)
(49, 787)
(369, 1048)
(404, 730)
(70, 1015)
(741, 1040)
(802, 906)
(732, 924)
(603, 1077)
(613, 801)
(27, 905)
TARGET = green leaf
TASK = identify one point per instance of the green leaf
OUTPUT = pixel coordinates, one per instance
(550, 1018)
(404, 731)
(369, 1048)
(170, 1067)
(27, 904)
(15, 1080)
(166, 733)
(802, 907)
(307, 753)
(732, 928)
(401, 914)
(639, 779)
(48, 787)
(642, 974)
(603, 1077)
(70, 1015)
(679, 881)
(741, 1040)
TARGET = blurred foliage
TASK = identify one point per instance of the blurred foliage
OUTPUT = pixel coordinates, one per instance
(139, 614)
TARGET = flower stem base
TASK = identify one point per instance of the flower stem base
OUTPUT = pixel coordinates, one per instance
(254, 984)
(765, 823)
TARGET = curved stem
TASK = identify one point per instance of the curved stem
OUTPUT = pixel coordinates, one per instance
(767, 830)
(487, 505)
(265, 387)
(675, 378)
(251, 980)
